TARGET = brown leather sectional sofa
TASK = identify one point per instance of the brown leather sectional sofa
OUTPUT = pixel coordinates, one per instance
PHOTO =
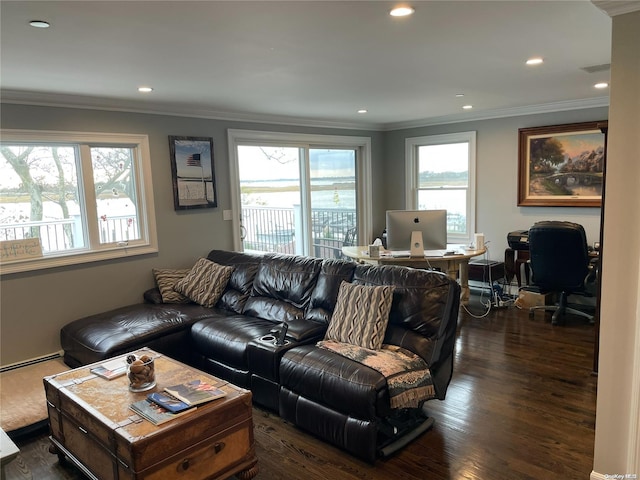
(334, 397)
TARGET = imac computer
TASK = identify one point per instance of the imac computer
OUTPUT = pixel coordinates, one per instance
(411, 232)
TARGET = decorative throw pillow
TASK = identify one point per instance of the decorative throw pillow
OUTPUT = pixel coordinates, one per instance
(165, 280)
(361, 315)
(205, 282)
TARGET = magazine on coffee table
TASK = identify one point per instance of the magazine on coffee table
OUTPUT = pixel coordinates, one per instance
(195, 392)
(153, 412)
(111, 369)
(168, 401)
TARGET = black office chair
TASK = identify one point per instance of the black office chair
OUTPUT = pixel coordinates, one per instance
(560, 263)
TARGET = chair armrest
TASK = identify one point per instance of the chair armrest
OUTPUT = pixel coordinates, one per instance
(593, 276)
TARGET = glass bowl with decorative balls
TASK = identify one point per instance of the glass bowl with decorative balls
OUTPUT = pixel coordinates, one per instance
(141, 373)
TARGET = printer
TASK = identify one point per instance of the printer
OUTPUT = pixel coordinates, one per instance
(518, 239)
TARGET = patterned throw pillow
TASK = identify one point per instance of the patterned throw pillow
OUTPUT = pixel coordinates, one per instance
(165, 280)
(361, 315)
(205, 282)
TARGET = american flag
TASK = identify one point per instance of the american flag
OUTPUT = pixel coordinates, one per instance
(193, 160)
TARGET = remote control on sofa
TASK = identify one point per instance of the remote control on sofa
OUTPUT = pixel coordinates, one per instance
(282, 333)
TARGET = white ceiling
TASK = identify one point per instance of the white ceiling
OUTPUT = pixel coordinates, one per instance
(307, 62)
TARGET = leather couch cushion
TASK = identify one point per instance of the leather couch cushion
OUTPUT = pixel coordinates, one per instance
(226, 338)
(420, 302)
(166, 279)
(240, 283)
(106, 334)
(361, 315)
(152, 295)
(205, 282)
(324, 296)
(335, 381)
(282, 287)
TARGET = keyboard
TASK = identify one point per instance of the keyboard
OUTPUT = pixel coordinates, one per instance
(427, 253)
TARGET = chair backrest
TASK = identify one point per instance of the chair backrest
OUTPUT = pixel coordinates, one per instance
(559, 255)
(350, 237)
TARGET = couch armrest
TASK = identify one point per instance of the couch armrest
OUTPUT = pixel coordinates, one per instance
(305, 331)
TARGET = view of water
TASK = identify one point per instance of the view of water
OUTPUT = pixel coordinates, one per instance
(281, 194)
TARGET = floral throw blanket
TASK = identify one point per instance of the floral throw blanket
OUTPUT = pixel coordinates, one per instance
(408, 377)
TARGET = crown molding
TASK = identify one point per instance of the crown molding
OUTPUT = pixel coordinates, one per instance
(48, 99)
(502, 113)
(20, 97)
(617, 7)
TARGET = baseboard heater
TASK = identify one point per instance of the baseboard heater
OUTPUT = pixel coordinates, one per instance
(32, 361)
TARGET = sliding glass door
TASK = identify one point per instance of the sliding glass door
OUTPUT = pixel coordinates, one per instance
(296, 199)
(299, 198)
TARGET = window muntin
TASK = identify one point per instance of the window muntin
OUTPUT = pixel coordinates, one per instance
(441, 175)
(86, 196)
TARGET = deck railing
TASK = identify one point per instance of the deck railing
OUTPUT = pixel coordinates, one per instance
(66, 234)
(269, 229)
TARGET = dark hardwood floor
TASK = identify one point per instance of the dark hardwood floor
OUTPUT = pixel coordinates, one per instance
(521, 405)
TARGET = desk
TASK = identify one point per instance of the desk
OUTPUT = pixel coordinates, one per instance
(456, 266)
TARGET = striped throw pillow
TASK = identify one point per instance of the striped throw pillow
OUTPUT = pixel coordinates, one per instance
(165, 280)
(205, 282)
(361, 315)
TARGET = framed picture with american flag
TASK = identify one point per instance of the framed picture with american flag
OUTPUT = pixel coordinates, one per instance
(194, 184)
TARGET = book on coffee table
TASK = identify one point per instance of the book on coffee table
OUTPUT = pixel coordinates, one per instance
(153, 412)
(111, 369)
(195, 392)
(168, 401)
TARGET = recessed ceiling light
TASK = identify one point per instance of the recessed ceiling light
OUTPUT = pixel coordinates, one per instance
(535, 61)
(402, 11)
(39, 24)
(459, 95)
(601, 85)
(467, 107)
(145, 89)
(362, 110)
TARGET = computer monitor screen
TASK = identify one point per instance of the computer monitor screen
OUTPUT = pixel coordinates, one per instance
(402, 223)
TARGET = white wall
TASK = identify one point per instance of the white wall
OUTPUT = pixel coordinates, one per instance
(497, 212)
(617, 443)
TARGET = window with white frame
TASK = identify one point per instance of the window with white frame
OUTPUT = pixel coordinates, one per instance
(79, 196)
(441, 175)
(299, 193)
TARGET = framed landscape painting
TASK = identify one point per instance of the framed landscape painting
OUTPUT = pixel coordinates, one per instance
(194, 183)
(561, 165)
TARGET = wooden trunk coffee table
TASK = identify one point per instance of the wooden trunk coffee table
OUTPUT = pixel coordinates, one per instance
(92, 425)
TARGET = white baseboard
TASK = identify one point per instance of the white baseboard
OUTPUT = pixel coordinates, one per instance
(596, 476)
